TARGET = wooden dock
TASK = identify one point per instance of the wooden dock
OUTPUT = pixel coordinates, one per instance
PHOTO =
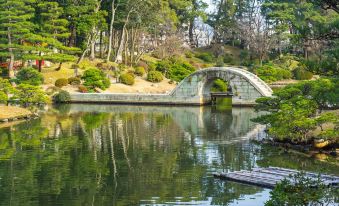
(269, 177)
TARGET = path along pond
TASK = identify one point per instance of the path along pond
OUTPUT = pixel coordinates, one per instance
(136, 155)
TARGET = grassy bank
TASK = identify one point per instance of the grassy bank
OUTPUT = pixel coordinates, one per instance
(11, 112)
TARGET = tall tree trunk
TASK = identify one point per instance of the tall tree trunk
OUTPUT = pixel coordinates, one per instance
(101, 50)
(118, 57)
(11, 54)
(110, 40)
(191, 33)
(92, 56)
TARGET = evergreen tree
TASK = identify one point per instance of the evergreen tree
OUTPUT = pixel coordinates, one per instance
(15, 26)
(50, 33)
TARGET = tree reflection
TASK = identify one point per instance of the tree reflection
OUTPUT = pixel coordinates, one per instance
(116, 155)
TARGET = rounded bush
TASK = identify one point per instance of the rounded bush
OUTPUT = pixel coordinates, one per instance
(139, 71)
(127, 79)
(30, 76)
(74, 81)
(82, 89)
(61, 82)
(302, 74)
(62, 96)
(154, 76)
(94, 77)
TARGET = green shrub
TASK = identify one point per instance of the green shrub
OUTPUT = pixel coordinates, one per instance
(74, 81)
(154, 76)
(61, 82)
(28, 94)
(227, 58)
(219, 85)
(140, 71)
(151, 66)
(3, 97)
(96, 78)
(272, 73)
(302, 74)
(3, 72)
(220, 62)
(127, 79)
(189, 54)
(62, 97)
(82, 89)
(30, 76)
(175, 69)
(301, 190)
(207, 57)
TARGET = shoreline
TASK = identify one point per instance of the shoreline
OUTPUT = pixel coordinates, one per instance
(14, 113)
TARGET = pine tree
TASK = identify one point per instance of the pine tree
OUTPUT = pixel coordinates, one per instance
(51, 30)
(15, 25)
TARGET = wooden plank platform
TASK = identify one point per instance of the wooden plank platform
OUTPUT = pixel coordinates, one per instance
(269, 177)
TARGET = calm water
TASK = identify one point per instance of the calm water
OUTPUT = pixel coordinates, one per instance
(135, 155)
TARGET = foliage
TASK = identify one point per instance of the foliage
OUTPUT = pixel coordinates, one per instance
(6, 87)
(219, 85)
(140, 71)
(62, 97)
(154, 76)
(293, 109)
(74, 80)
(127, 79)
(219, 62)
(175, 68)
(3, 97)
(30, 76)
(302, 191)
(83, 89)
(205, 56)
(61, 82)
(301, 73)
(28, 94)
(272, 73)
(95, 78)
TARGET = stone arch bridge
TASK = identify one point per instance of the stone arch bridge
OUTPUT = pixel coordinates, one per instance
(193, 90)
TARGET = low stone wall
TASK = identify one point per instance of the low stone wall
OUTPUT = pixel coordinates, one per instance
(154, 99)
(130, 99)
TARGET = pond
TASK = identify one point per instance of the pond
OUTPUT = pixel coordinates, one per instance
(136, 155)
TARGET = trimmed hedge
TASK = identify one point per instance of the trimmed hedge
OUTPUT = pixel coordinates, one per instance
(61, 82)
(127, 79)
(154, 76)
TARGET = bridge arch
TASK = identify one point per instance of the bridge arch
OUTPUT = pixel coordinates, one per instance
(246, 86)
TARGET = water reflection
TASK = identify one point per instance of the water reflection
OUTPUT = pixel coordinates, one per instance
(129, 155)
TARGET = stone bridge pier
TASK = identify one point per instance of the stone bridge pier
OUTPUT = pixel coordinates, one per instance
(193, 90)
